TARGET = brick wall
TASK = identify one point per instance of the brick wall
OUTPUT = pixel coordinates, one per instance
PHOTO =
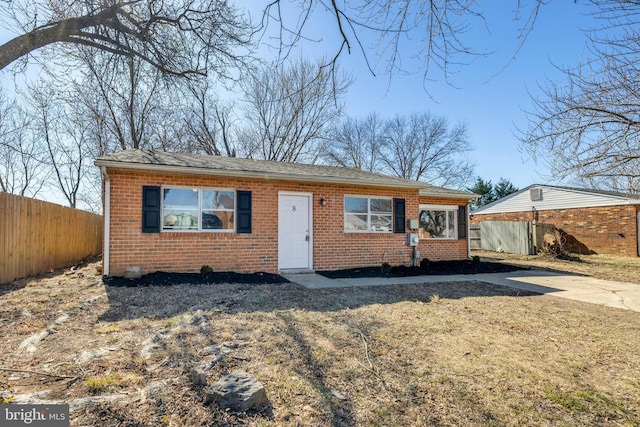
(603, 230)
(258, 251)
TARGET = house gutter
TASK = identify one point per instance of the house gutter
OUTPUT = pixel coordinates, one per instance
(107, 220)
(468, 222)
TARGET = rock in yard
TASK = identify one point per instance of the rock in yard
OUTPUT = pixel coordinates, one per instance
(197, 376)
(238, 391)
(132, 273)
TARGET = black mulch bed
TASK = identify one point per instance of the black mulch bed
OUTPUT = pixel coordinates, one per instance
(168, 279)
(435, 268)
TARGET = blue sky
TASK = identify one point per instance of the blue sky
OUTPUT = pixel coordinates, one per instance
(490, 105)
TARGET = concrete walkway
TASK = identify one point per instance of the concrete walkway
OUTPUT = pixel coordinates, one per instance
(579, 288)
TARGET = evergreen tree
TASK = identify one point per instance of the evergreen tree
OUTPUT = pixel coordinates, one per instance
(503, 188)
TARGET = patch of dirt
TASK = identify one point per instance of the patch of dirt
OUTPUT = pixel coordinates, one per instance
(434, 268)
(467, 353)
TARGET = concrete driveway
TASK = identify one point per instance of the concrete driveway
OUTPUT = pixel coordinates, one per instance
(579, 288)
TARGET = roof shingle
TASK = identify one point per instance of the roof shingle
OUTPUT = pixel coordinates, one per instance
(232, 166)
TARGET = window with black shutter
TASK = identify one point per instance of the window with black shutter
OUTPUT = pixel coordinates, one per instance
(399, 216)
(462, 222)
(150, 209)
(244, 212)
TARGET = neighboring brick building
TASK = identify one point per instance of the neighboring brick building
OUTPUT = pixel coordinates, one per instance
(589, 221)
(179, 212)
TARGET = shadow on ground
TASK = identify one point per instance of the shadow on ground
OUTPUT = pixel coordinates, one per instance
(170, 300)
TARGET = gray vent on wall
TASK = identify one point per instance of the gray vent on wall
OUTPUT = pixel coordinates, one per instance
(535, 194)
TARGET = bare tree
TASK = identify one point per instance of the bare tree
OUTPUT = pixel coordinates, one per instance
(22, 170)
(433, 32)
(66, 141)
(209, 124)
(290, 111)
(422, 147)
(588, 129)
(178, 37)
(125, 100)
(355, 143)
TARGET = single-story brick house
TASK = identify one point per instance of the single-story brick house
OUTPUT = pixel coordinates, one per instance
(590, 221)
(178, 212)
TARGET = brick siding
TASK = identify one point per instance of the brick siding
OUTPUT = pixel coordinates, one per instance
(599, 230)
(258, 251)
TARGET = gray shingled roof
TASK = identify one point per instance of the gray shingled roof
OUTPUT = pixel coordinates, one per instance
(236, 167)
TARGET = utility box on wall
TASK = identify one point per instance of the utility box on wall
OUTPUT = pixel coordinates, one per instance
(414, 224)
(413, 239)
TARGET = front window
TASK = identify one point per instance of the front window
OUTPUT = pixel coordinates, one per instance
(367, 214)
(192, 209)
(438, 222)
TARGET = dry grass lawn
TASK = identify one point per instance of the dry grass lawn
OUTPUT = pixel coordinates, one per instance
(607, 267)
(454, 354)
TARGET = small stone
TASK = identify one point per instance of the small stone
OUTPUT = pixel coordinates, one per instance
(197, 376)
(337, 395)
(238, 391)
(132, 273)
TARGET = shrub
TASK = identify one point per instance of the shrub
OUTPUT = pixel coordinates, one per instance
(424, 263)
(205, 271)
(475, 259)
(385, 268)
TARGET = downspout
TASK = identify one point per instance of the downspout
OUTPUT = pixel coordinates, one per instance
(468, 222)
(107, 220)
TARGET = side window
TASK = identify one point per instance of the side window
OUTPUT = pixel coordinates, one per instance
(192, 209)
(368, 214)
(438, 222)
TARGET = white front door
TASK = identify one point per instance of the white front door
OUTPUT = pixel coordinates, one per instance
(294, 231)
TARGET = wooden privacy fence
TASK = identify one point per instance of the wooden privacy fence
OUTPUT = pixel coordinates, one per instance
(523, 238)
(36, 236)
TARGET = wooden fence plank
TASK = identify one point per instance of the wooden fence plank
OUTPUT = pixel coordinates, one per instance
(36, 236)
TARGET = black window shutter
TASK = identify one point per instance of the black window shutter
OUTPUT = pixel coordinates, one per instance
(244, 212)
(462, 222)
(398, 216)
(150, 209)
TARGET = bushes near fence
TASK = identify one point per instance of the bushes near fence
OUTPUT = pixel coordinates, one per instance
(36, 236)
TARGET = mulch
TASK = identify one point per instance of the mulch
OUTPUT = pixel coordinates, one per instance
(161, 278)
(435, 268)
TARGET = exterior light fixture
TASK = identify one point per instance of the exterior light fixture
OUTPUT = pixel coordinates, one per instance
(323, 202)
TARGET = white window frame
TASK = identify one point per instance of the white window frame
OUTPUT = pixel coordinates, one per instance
(447, 208)
(200, 209)
(368, 213)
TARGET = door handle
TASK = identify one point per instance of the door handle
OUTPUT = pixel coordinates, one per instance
(306, 238)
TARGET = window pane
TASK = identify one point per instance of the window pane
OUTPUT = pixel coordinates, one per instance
(181, 197)
(355, 222)
(451, 224)
(217, 220)
(433, 223)
(355, 205)
(180, 209)
(381, 222)
(437, 224)
(180, 219)
(212, 199)
(381, 205)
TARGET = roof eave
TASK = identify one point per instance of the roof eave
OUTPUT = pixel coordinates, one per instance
(254, 174)
(469, 196)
